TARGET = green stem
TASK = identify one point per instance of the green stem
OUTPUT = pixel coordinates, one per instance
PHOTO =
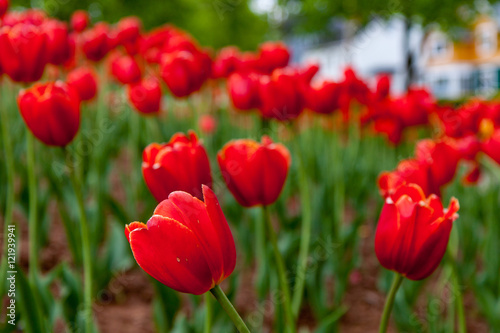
(305, 199)
(459, 301)
(280, 264)
(10, 195)
(396, 283)
(135, 124)
(229, 308)
(261, 256)
(86, 250)
(208, 314)
(32, 219)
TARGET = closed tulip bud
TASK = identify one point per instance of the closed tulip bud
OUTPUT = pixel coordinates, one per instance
(272, 55)
(225, 63)
(383, 87)
(180, 165)
(413, 232)
(79, 20)
(125, 69)
(96, 42)
(244, 90)
(184, 72)
(145, 95)
(281, 95)
(442, 159)
(187, 244)
(324, 98)
(84, 81)
(51, 112)
(23, 53)
(129, 30)
(58, 43)
(254, 173)
(207, 124)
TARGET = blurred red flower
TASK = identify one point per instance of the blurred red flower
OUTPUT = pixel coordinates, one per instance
(180, 165)
(51, 111)
(24, 52)
(255, 173)
(84, 80)
(145, 95)
(125, 69)
(79, 20)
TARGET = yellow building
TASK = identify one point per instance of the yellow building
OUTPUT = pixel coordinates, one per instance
(465, 65)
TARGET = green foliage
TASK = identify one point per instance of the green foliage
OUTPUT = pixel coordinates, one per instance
(214, 23)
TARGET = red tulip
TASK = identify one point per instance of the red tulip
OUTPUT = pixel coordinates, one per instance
(225, 63)
(79, 20)
(125, 69)
(324, 98)
(4, 6)
(180, 165)
(244, 90)
(187, 244)
(58, 43)
(184, 72)
(97, 42)
(491, 146)
(383, 87)
(413, 232)
(254, 173)
(280, 95)
(207, 124)
(84, 80)
(145, 95)
(272, 55)
(129, 33)
(51, 112)
(442, 159)
(409, 171)
(23, 53)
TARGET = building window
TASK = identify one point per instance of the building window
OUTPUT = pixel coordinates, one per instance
(486, 40)
(441, 87)
(439, 47)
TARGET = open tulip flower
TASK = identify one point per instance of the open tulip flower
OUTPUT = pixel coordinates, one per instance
(187, 244)
(51, 112)
(180, 165)
(413, 232)
(254, 173)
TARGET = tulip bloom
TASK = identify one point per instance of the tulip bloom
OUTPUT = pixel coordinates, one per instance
(491, 146)
(243, 89)
(58, 43)
(207, 124)
(324, 98)
(84, 80)
(4, 5)
(97, 42)
(145, 95)
(24, 52)
(280, 95)
(180, 165)
(272, 55)
(254, 173)
(187, 244)
(184, 72)
(413, 232)
(51, 112)
(79, 20)
(125, 69)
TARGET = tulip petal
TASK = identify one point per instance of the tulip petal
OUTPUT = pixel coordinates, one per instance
(170, 252)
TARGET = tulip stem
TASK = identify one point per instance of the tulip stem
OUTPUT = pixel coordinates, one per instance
(208, 314)
(280, 264)
(9, 199)
(229, 308)
(32, 219)
(305, 200)
(86, 250)
(389, 302)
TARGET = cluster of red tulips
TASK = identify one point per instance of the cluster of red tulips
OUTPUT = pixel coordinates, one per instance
(187, 243)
